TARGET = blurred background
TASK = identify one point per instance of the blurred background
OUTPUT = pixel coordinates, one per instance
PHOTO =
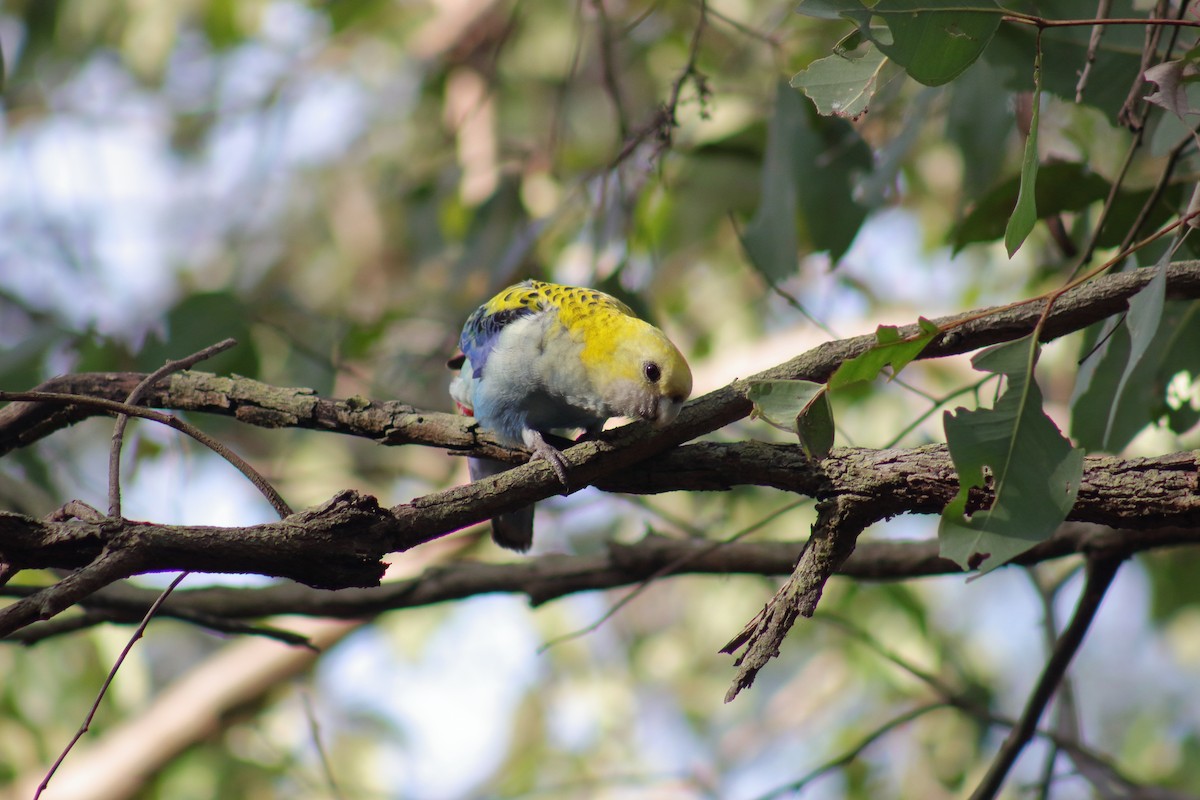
(337, 185)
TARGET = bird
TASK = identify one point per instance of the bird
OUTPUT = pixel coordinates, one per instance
(541, 357)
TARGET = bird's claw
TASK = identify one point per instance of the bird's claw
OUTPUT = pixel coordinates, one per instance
(550, 454)
(553, 457)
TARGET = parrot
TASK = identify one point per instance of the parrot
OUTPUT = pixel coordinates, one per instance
(541, 357)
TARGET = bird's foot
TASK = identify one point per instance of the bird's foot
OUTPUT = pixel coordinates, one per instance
(550, 454)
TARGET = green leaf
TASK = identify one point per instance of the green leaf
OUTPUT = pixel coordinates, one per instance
(1063, 186)
(200, 320)
(831, 9)
(770, 238)
(934, 40)
(1179, 373)
(814, 426)
(809, 171)
(221, 24)
(890, 349)
(840, 85)
(1025, 213)
(936, 45)
(1034, 470)
(778, 403)
(1065, 49)
(799, 407)
(830, 163)
(1145, 314)
(1105, 417)
(979, 127)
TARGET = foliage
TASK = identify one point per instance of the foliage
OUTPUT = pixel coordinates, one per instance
(337, 185)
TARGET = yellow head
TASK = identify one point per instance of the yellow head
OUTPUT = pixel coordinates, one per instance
(637, 369)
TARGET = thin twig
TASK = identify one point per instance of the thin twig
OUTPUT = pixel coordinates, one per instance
(1113, 190)
(1042, 23)
(135, 398)
(668, 569)
(1094, 767)
(1164, 180)
(608, 68)
(91, 617)
(112, 673)
(1132, 113)
(1100, 574)
(854, 752)
(743, 28)
(1064, 708)
(314, 730)
(261, 483)
(1102, 9)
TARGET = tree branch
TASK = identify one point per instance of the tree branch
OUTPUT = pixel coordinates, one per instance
(546, 578)
(340, 544)
(396, 423)
(1100, 574)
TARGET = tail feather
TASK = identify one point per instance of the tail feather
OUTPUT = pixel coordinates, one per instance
(512, 530)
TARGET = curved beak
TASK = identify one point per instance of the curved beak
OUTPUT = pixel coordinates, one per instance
(665, 411)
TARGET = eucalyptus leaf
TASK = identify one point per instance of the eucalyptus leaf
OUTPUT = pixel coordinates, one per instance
(1145, 314)
(1034, 471)
(809, 171)
(814, 426)
(1107, 408)
(890, 350)
(1024, 215)
(1062, 186)
(842, 85)
(779, 403)
(934, 40)
(1064, 49)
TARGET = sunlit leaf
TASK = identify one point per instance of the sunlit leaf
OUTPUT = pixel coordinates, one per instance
(1034, 471)
(841, 85)
(890, 350)
(799, 407)
(221, 23)
(934, 40)
(778, 403)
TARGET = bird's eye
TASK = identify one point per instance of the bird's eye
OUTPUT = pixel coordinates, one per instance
(651, 371)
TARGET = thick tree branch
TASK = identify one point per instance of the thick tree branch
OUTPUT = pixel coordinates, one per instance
(546, 578)
(340, 544)
(396, 423)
